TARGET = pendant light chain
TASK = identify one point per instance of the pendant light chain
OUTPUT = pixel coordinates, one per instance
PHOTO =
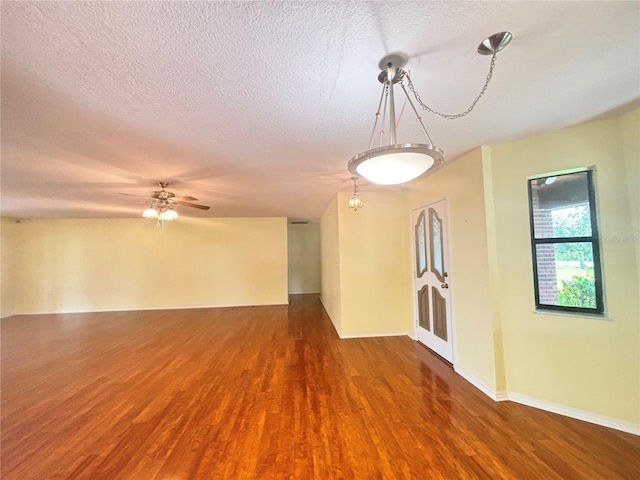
(456, 115)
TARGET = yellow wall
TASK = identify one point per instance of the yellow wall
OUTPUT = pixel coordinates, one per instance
(304, 257)
(631, 148)
(580, 362)
(7, 275)
(461, 183)
(330, 264)
(366, 287)
(96, 265)
(374, 274)
(495, 288)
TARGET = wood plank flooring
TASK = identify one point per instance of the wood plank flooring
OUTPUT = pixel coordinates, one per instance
(266, 393)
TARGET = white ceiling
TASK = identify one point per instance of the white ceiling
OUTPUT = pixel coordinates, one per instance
(256, 107)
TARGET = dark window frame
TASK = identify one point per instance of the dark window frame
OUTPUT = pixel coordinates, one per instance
(594, 239)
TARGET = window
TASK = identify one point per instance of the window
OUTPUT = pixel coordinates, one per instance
(564, 243)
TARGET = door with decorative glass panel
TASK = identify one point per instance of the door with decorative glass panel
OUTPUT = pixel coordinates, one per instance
(432, 292)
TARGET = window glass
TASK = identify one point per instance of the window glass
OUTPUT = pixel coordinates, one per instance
(435, 231)
(421, 246)
(562, 282)
(561, 206)
(565, 245)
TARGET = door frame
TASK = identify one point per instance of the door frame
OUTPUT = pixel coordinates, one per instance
(448, 255)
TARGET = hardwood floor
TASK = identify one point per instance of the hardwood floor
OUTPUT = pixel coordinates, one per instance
(266, 393)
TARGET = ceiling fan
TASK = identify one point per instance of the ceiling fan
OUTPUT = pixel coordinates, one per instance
(163, 203)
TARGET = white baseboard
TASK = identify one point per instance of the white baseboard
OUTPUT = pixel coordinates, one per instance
(583, 415)
(488, 391)
(594, 418)
(362, 335)
(144, 309)
(501, 396)
(373, 335)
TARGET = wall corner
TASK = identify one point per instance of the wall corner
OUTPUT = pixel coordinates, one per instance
(494, 272)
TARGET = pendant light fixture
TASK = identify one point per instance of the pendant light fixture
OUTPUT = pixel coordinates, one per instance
(394, 163)
(355, 202)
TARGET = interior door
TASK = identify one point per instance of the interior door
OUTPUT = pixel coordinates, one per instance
(432, 289)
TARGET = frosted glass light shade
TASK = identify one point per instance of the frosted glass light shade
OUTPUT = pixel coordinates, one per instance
(395, 168)
(150, 213)
(168, 215)
(395, 164)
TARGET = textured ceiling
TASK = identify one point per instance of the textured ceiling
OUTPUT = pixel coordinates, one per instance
(256, 107)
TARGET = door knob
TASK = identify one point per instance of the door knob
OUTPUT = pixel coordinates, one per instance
(445, 285)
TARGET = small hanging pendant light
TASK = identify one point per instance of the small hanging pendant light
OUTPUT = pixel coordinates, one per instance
(355, 202)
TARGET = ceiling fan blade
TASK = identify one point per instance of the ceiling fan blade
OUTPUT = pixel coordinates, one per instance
(185, 199)
(131, 195)
(194, 205)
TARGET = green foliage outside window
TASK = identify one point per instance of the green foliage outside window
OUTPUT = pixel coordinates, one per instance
(578, 292)
(573, 222)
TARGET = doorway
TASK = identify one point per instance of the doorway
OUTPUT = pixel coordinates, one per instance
(431, 279)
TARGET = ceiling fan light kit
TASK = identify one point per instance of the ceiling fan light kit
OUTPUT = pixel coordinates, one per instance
(163, 203)
(394, 163)
(161, 211)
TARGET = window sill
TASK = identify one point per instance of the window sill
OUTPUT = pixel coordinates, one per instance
(558, 313)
